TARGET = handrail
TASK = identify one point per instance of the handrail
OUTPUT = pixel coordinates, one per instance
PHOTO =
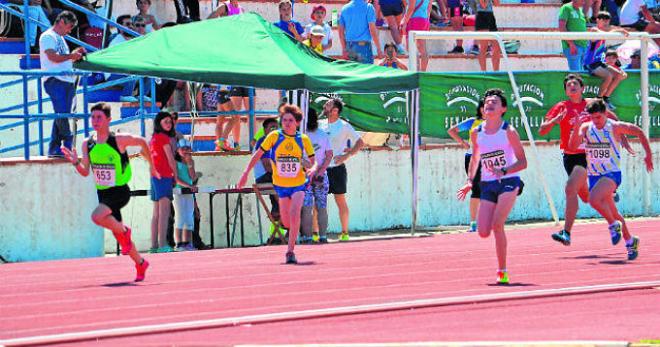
(18, 14)
(96, 15)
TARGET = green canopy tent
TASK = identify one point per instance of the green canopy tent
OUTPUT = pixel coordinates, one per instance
(247, 50)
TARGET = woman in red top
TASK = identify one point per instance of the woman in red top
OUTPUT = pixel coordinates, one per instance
(161, 188)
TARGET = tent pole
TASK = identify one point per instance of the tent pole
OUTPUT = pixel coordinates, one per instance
(251, 117)
(646, 124)
(414, 154)
(304, 107)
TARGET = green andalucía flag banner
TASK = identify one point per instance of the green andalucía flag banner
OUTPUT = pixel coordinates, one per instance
(447, 99)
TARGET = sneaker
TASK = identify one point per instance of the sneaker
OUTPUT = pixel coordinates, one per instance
(473, 227)
(164, 249)
(615, 232)
(563, 236)
(315, 237)
(189, 247)
(474, 50)
(153, 250)
(125, 241)
(344, 237)
(633, 251)
(291, 258)
(502, 277)
(141, 270)
(456, 50)
(305, 240)
(400, 50)
(323, 239)
(222, 145)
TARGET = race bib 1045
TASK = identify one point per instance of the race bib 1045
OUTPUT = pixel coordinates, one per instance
(599, 152)
(104, 174)
(493, 160)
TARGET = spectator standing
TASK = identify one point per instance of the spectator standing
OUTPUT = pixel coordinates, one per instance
(594, 6)
(143, 11)
(36, 12)
(571, 19)
(315, 40)
(391, 60)
(287, 23)
(187, 10)
(455, 15)
(184, 204)
(341, 135)
(55, 57)
(635, 14)
(417, 19)
(595, 60)
(392, 10)
(357, 31)
(161, 188)
(316, 192)
(318, 17)
(485, 21)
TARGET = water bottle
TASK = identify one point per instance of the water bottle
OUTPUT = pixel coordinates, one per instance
(334, 18)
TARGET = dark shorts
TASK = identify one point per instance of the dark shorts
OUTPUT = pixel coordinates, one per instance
(595, 65)
(223, 97)
(338, 178)
(491, 190)
(161, 188)
(115, 198)
(476, 187)
(240, 91)
(573, 160)
(614, 176)
(454, 3)
(287, 192)
(485, 21)
(639, 25)
(456, 11)
(391, 8)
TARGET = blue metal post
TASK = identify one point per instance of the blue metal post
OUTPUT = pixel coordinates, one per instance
(26, 120)
(40, 110)
(154, 108)
(26, 13)
(251, 117)
(143, 129)
(85, 106)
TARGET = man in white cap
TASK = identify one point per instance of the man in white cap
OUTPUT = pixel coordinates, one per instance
(315, 40)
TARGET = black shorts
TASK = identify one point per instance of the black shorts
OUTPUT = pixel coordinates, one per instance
(338, 178)
(391, 9)
(223, 97)
(476, 187)
(639, 25)
(594, 66)
(573, 160)
(492, 190)
(115, 198)
(485, 21)
(456, 11)
(240, 91)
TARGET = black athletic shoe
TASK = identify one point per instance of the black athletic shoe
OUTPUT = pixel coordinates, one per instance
(563, 237)
(457, 50)
(291, 258)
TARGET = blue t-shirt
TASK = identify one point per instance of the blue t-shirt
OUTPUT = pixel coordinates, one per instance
(355, 18)
(422, 10)
(259, 169)
(285, 27)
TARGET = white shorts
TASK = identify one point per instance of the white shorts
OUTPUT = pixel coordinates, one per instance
(184, 211)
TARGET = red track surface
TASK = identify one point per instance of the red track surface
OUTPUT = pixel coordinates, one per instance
(93, 294)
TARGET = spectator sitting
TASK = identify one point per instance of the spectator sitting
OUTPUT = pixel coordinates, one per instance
(184, 204)
(149, 19)
(186, 10)
(263, 170)
(315, 40)
(221, 11)
(357, 32)
(55, 56)
(36, 12)
(635, 61)
(391, 60)
(128, 87)
(636, 15)
(595, 60)
(571, 19)
(318, 16)
(286, 23)
(234, 8)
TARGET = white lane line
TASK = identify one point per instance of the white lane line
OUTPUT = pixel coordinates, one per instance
(320, 313)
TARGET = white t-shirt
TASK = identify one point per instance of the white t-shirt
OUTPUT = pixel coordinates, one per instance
(326, 27)
(52, 40)
(321, 144)
(117, 40)
(630, 12)
(339, 133)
